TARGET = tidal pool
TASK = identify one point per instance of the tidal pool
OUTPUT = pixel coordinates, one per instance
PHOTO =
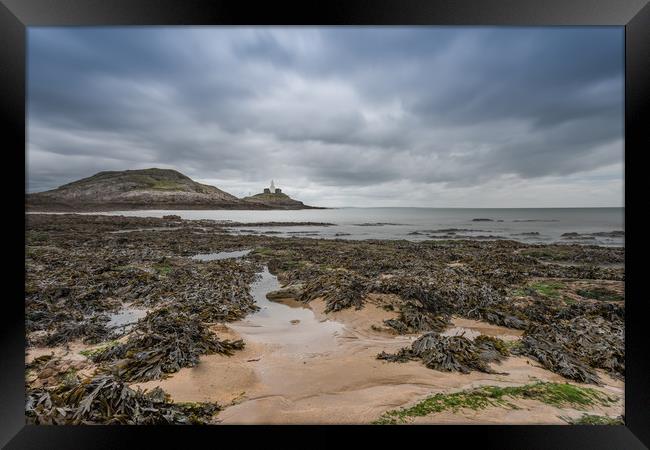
(126, 317)
(221, 255)
(289, 324)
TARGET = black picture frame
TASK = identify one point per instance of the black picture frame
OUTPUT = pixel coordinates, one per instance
(17, 15)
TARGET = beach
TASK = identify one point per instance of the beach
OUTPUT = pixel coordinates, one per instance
(288, 323)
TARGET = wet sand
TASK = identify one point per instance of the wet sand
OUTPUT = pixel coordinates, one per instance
(474, 328)
(301, 365)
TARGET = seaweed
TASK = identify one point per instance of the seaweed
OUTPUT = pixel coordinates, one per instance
(450, 353)
(91, 331)
(216, 291)
(107, 400)
(600, 294)
(574, 348)
(412, 319)
(339, 289)
(556, 394)
(162, 343)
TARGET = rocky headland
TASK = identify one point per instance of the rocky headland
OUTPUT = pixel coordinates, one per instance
(148, 189)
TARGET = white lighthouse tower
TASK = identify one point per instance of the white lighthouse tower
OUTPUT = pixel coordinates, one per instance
(272, 187)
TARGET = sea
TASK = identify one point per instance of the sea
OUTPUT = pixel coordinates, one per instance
(583, 226)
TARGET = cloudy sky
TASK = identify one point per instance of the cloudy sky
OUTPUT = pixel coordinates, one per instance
(426, 116)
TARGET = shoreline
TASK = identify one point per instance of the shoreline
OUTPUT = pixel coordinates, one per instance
(345, 225)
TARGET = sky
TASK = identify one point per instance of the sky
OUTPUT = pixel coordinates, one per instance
(367, 116)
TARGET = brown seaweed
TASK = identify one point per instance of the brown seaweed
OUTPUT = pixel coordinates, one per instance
(574, 348)
(107, 400)
(162, 343)
(450, 353)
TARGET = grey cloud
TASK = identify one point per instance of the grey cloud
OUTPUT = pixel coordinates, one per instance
(347, 107)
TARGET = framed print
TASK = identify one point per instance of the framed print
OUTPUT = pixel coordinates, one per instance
(394, 219)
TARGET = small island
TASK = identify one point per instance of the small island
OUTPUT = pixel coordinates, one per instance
(273, 196)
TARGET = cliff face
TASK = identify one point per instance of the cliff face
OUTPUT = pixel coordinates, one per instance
(142, 189)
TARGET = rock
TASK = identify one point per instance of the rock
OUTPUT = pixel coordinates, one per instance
(276, 200)
(294, 322)
(617, 233)
(293, 291)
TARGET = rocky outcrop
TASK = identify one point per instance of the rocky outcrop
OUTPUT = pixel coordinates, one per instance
(146, 189)
(293, 291)
(275, 200)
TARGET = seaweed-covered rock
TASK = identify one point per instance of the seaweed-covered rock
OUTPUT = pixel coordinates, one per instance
(92, 331)
(162, 343)
(73, 301)
(492, 348)
(293, 291)
(574, 348)
(450, 353)
(339, 289)
(107, 400)
(413, 319)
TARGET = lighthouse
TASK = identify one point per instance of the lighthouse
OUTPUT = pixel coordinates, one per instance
(273, 190)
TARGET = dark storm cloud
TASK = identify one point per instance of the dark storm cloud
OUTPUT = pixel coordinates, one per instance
(571, 75)
(356, 108)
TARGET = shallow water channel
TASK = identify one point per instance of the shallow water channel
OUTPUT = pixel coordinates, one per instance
(221, 255)
(289, 324)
